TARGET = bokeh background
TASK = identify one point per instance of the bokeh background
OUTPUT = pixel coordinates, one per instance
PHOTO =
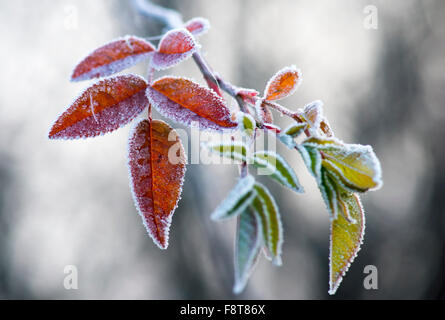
(68, 203)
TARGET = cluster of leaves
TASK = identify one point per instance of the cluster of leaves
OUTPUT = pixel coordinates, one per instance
(157, 163)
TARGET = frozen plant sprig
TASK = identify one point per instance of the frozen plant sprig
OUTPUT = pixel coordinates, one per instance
(156, 159)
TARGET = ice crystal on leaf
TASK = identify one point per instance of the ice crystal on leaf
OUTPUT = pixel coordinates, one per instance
(274, 165)
(313, 115)
(176, 46)
(112, 58)
(267, 208)
(155, 181)
(103, 107)
(341, 170)
(346, 239)
(197, 26)
(246, 123)
(237, 201)
(234, 150)
(248, 245)
(283, 84)
(290, 133)
(185, 101)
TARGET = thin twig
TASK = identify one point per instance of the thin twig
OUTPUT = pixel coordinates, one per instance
(171, 18)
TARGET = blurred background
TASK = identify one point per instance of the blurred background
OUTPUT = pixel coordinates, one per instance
(68, 203)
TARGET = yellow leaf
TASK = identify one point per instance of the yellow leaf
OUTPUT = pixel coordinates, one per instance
(356, 166)
(346, 239)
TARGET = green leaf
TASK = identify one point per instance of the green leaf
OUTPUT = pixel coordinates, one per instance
(237, 201)
(277, 168)
(246, 123)
(267, 208)
(346, 239)
(234, 150)
(312, 159)
(249, 241)
(323, 143)
(356, 166)
(295, 129)
(333, 195)
(288, 135)
(329, 194)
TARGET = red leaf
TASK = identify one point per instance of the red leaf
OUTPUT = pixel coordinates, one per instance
(157, 168)
(197, 26)
(185, 101)
(176, 46)
(283, 84)
(263, 111)
(112, 58)
(103, 107)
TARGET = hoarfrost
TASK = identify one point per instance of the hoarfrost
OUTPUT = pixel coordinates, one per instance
(197, 26)
(90, 115)
(188, 102)
(247, 248)
(176, 46)
(239, 198)
(112, 58)
(283, 84)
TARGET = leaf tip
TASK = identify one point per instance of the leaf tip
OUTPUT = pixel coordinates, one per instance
(277, 261)
(238, 287)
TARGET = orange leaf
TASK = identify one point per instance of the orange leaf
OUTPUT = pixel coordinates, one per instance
(283, 84)
(103, 107)
(176, 46)
(112, 58)
(185, 101)
(156, 163)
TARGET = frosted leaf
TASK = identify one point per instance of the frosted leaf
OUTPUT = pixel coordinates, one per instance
(324, 143)
(246, 123)
(263, 112)
(288, 141)
(250, 93)
(312, 158)
(234, 150)
(247, 248)
(104, 107)
(345, 242)
(156, 182)
(313, 115)
(112, 58)
(239, 198)
(283, 84)
(274, 165)
(288, 135)
(295, 129)
(197, 26)
(176, 46)
(357, 166)
(325, 127)
(267, 208)
(328, 191)
(185, 102)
